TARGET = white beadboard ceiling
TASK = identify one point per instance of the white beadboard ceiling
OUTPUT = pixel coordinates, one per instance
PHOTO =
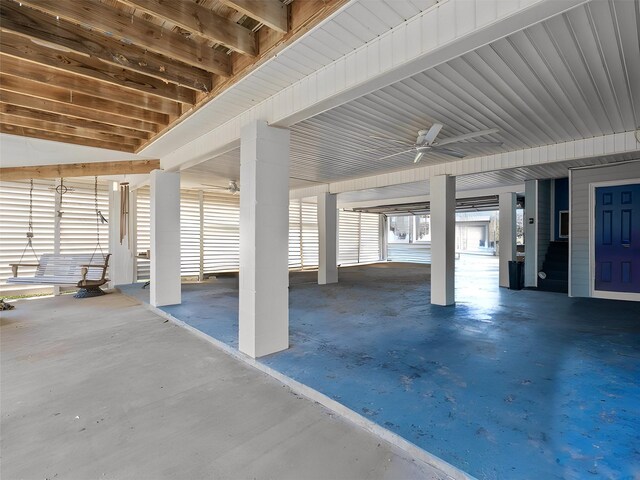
(573, 76)
(354, 25)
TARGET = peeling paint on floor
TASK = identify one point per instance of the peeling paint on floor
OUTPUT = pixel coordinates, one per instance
(506, 384)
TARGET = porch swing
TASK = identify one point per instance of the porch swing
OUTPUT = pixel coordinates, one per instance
(85, 271)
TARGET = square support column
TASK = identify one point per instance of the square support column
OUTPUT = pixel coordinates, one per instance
(264, 240)
(507, 222)
(121, 264)
(165, 286)
(530, 233)
(443, 239)
(328, 238)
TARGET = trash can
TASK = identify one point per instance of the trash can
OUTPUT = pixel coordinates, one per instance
(516, 275)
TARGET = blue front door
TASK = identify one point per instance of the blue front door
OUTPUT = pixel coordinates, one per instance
(617, 229)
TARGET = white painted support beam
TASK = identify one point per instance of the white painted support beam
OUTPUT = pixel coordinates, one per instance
(507, 222)
(165, 286)
(531, 233)
(121, 264)
(443, 239)
(448, 30)
(328, 239)
(617, 144)
(264, 235)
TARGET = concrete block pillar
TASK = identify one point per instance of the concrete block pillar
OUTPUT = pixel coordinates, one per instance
(264, 239)
(121, 263)
(507, 222)
(165, 239)
(443, 240)
(328, 238)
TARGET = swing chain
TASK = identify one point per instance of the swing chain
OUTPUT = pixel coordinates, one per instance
(98, 218)
(30, 227)
(29, 244)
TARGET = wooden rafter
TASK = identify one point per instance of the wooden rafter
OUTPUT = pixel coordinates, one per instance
(66, 96)
(46, 29)
(118, 73)
(35, 114)
(200, 21)
(270, 12)
(82, 132)
(58, 78)
(58, 137)
(67, 170)
(75, 111)
(22, 48)
(145, 34)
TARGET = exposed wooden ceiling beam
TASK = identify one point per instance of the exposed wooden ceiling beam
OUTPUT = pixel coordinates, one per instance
(22, 48)
(58, 78)
(44, 28)
(67, 130)
(58, 137)
(63, 95)
(90, 169)
(75, 111)
(200, 21)
(142, 33)
(16, 110)
(270, 12)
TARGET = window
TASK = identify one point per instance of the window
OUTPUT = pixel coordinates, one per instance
(422, 228)
(409, 229)
(564, 224)
(400, 229)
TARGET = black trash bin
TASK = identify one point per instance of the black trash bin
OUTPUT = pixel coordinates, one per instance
(516, 275)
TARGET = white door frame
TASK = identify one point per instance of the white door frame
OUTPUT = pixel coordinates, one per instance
(592, 244)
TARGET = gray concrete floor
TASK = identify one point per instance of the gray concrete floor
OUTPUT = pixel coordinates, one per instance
(102, 388)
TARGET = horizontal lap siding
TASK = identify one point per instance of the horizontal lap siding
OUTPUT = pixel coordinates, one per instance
(14, 216)
(78, 228)
(579, 218)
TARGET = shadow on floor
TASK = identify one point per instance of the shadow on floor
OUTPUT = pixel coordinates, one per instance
(506, 384)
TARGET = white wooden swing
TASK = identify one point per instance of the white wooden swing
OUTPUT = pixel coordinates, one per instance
(85, 271)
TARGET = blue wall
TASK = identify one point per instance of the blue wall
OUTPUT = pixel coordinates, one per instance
(561, 200)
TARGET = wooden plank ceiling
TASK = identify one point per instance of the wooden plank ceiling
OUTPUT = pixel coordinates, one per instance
(117, 73)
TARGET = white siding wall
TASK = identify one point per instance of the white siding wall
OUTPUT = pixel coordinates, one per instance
(579, 282)
(359, 234)
(409, 252)
(77, 226)
(358, 237)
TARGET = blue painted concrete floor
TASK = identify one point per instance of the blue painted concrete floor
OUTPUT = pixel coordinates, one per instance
(506, 384)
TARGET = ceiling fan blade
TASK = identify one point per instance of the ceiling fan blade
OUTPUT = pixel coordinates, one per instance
(390, 139)
(418, 157)
(398, 153)
(388, 147)
(450, 151)
(472, 144)
(432, 133)
(467, 136)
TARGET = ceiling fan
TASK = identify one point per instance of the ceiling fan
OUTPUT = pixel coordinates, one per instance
(233, 187)
(426, 142)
